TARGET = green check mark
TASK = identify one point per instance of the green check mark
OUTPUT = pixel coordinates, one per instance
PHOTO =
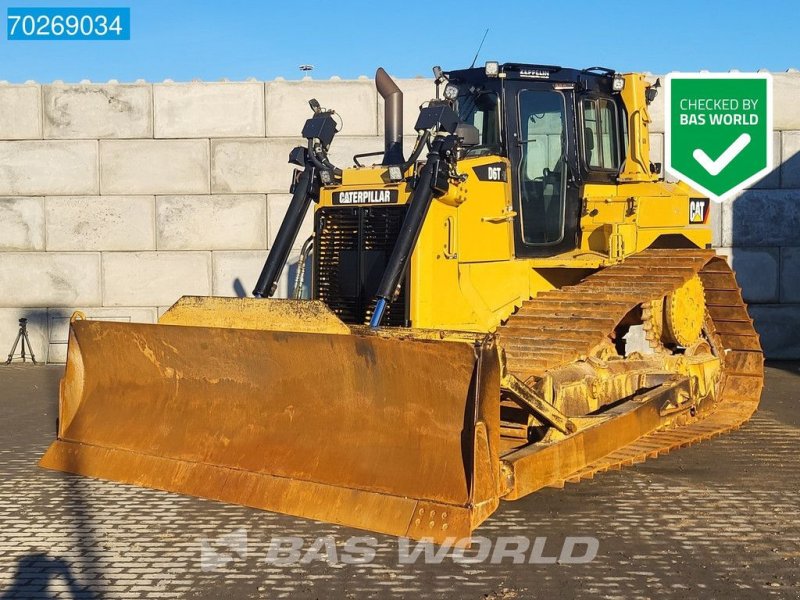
(714, 167)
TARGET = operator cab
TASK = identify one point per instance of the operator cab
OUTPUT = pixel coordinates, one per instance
(559, 128)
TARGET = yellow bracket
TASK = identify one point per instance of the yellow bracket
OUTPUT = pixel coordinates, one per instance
(527, 398)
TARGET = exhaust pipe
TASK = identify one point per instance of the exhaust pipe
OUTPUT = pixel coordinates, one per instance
(393, 117)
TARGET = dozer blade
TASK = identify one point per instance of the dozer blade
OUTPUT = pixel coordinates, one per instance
(394, 436)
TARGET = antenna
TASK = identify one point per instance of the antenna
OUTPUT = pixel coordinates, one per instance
(485, 33)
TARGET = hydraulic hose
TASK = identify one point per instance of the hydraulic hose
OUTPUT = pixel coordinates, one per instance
(308, 246)
(422, 141)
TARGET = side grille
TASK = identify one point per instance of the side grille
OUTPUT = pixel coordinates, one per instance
(351, 249)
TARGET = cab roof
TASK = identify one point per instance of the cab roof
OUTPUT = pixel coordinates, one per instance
(593, 78)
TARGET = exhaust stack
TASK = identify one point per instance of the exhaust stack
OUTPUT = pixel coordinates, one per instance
(393, 117)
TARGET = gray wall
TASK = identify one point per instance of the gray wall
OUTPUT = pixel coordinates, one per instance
(116, 199)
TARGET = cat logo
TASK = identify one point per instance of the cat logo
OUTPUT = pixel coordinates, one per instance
(698, 211)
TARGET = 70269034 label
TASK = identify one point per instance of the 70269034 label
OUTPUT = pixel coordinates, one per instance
(68, 23)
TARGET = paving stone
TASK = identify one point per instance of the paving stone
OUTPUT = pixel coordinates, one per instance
(740, 540)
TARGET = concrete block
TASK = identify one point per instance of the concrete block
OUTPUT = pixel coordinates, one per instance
(154, 278)
(225, 222)
(21, 224)
(790, 273)
(253, 165)
(100, 223)
(772, 179)
(37, 333)
(761, 218)
(354, 101)
(790, 156)
(49, 279)
(757, 272)
(154, 166)
(343, 149)
(243, 166)
(779, 328)
(48, 167)
(20, 112)
(785, 91)
(98, 111)
(190, 110)
(58, 320)
(277, 204)
(236, 274)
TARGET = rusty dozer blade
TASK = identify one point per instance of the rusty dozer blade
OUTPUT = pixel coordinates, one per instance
(394, 436)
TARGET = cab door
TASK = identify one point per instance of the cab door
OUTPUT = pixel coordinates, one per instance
(542, 151)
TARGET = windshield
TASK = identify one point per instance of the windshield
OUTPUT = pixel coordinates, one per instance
(481, 108)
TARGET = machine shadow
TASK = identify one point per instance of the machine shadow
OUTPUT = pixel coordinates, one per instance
(34, 573)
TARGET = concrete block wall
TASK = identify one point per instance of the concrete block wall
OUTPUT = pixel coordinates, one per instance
(116, 199)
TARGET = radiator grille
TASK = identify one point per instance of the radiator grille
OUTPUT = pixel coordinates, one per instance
(351, 249)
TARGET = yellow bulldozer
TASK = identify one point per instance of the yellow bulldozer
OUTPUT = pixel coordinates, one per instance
(522, 302)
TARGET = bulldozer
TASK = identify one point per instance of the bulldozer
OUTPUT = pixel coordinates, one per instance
(523, 302)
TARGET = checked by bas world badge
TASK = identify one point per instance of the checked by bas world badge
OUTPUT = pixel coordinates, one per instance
(718, 130)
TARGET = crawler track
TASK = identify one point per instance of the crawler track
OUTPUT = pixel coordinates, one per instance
(565, 325)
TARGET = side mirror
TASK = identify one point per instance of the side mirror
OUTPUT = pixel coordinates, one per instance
(651, 92)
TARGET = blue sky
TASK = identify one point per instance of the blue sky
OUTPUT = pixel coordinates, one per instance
(184, 40)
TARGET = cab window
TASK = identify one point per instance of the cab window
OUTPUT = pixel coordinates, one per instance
(542, 172)
(481, 108)
(600, 134)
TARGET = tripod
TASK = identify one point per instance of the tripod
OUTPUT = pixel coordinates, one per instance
(22, 336)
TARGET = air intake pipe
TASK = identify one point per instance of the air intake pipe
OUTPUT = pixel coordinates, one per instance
(393, 117)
